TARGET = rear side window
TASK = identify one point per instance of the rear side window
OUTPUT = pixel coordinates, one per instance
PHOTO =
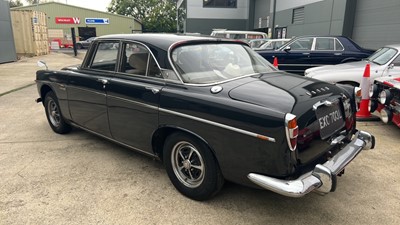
(106, 56)
(325, 44)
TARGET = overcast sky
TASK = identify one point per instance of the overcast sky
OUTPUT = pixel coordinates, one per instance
(100, 5)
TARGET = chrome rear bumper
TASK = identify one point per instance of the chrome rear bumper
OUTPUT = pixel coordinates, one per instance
(323, 178)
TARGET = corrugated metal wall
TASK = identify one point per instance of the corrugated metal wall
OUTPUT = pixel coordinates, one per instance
(377, 23)
(7, 53)
(118, 24)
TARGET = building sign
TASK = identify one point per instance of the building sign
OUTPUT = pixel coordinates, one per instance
(97, 20)
(68, 20)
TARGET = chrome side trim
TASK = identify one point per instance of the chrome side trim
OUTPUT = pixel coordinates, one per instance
(87, 90)
(134, 102)
(115, 141)
(249, 133)
(323, 178)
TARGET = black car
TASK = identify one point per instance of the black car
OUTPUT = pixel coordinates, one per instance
(305, 52)
(211, 110)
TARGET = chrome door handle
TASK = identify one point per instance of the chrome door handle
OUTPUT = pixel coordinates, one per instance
(152, 89)
(306, 53)
(103, 81)
(337, 53)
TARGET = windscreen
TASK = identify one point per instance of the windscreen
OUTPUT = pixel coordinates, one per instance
(382, 56)
(216, 62)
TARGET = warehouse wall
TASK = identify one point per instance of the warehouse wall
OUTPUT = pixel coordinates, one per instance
(329, 17)
(118, 23)
(377, 23)
(7, 53)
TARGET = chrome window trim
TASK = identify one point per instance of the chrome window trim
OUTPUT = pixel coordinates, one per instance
(227, 127)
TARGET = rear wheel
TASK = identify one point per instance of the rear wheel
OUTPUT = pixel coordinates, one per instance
(191, 167)
(53, 114)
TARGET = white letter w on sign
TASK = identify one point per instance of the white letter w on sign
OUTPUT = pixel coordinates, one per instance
(76, 20)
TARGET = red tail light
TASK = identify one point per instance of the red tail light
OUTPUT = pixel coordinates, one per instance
(292, 131)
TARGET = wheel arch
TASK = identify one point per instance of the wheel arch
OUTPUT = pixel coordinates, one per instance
(44, 89)
(161, 134)
(350, 59)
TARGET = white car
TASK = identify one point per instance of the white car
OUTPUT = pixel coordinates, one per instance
(272, 44)
(383, 62)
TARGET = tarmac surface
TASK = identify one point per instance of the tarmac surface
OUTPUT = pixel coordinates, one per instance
(78, 178)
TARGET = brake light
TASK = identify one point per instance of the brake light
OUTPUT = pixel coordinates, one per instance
(292, 131)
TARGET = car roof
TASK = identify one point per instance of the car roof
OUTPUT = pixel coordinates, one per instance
(393, 46)
(163, 41)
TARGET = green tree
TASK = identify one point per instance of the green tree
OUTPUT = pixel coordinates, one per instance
(15, 3)
(32, 2)
(155, 15)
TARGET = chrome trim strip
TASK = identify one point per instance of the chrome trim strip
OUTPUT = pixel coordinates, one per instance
(134, 102)
(249, 133)
(88, 90)
(115, 141)
(312, 65)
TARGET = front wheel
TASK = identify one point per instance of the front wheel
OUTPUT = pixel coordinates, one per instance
(191, 167)
(53, 114)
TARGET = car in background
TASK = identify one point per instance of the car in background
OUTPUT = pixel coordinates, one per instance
(256, 43)
(305, 52)
(385, 98)
(383, 62)
(272, 44)
(211, 110)
(238, 34)
(85, 43)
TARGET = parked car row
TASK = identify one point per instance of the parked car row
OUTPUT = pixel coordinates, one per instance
(305, 52)
(211, 110)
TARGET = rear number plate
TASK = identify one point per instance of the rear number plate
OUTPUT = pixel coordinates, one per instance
(330, 119)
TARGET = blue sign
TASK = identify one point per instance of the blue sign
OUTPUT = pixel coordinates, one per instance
(97, 20)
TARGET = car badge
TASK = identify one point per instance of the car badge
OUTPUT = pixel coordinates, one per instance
(216, 89)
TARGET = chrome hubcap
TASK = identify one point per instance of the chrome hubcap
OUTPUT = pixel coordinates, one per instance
(54, 113)
(187, 164)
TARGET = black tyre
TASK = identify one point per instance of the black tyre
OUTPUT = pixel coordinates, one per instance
(191, 167)
(53, 114)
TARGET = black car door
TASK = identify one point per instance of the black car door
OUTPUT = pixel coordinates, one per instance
(297, 59)
(87, 89)
(133, 97)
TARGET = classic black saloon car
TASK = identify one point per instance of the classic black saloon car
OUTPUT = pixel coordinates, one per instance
(304, 52)
(211, 110)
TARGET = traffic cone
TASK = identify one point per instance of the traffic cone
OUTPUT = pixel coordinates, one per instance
(276, 62)
(363, 114)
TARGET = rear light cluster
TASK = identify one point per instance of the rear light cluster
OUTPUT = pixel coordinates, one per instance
(292, 131)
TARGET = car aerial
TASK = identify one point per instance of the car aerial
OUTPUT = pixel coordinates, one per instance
(385, 98)
(305, 52)
(272, 44)
(383, 62)
(85, 43)
(211, 110)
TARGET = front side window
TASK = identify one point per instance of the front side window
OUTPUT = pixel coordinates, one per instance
(302, 44)
(105, 57)
(219, 3)
(210, 63)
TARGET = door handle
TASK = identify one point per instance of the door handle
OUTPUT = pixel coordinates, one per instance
(103, 81)
(152, 89)
(337, 53)
(306, 53)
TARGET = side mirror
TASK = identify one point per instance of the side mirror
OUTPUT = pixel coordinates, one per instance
(287, 49)
(41, 63)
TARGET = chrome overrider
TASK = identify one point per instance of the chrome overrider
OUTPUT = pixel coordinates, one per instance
(323, 178)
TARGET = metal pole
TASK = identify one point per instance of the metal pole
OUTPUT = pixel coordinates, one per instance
(74, 40)
(273, 20)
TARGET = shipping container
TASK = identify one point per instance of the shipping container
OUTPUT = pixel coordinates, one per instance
(30, 32)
